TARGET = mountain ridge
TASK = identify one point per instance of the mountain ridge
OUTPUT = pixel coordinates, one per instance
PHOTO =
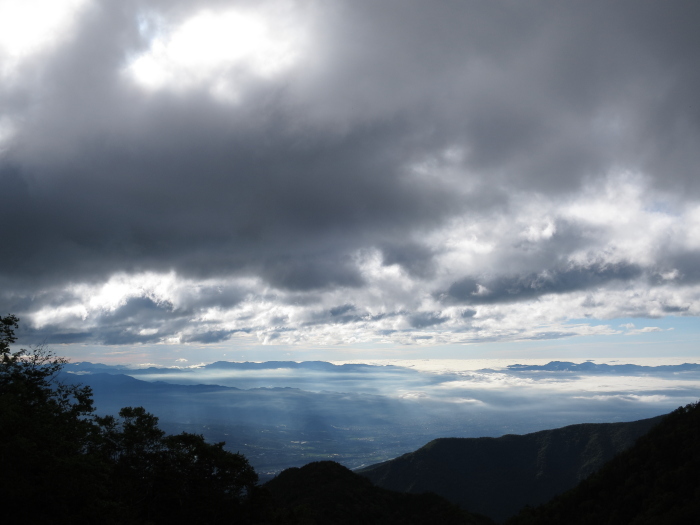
(654, 482)
(327, 492)
(531, 468)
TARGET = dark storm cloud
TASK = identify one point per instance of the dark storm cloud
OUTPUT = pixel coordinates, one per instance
(338, 315)
(345, 314)
(551, 335)
(518, 288)
(398, 117)
(311, 271)
(142, 307)
(468, 313)
(426, 319)
(215, 336)
(281, 212)
(532, 90)
(672, 309)
(685, 262)
(414, 258)
(340, 310)
(209, 296)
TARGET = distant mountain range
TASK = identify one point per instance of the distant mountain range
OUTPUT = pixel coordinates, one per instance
(593, 368)
(552, 366)
(87, 367)
(496, 477)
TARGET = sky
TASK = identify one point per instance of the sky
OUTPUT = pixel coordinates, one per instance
(186, 181)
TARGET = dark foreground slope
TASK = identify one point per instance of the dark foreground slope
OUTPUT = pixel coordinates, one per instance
(497, 477)
(325, 492)
(656, 482)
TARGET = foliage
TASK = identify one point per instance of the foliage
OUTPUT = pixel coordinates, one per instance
(44, 429)
(172, 479)
(89, 469)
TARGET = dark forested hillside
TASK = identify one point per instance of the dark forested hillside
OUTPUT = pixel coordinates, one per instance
(656, 482)
(496, 477)
(62, 464)
(325, 492)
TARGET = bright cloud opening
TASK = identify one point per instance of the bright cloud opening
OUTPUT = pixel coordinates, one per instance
(211, 49)
(30, 26)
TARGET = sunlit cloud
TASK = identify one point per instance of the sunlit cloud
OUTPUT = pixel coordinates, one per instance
(216, 49)
(626, 397)
(29, 27)
(645, 330)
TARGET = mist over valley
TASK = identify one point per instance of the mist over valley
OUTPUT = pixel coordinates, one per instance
(282, 414)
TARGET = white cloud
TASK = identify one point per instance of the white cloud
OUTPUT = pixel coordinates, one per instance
(28, 27)
(647, 330)
(215, 49)
(626, 397)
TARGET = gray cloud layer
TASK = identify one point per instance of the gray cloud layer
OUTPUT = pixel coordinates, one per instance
(558, 140)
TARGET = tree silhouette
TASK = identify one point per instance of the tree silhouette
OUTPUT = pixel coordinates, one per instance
(89, 469)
